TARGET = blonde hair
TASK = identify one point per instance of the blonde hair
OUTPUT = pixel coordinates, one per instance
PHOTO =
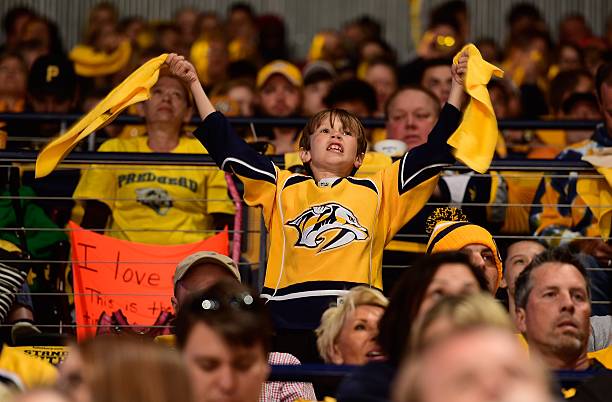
(462, 312)
(334, 317)
(124, 369)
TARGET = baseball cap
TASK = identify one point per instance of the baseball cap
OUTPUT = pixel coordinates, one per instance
(202, 257)
(52, 74)
(286, 69)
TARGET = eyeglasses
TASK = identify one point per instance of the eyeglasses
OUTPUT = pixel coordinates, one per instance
(242, 301)
(239, 302)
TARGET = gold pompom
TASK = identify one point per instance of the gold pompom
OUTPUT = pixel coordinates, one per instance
(445, 214)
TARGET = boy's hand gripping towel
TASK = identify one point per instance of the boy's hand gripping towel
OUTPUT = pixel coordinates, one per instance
(475, 139)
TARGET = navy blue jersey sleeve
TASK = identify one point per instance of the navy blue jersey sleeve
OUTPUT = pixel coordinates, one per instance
(230, 152)
(428, 159)
(409, 182)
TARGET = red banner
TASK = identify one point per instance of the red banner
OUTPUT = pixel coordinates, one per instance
(111, 275)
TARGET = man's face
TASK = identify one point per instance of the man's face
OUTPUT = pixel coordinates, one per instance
(438, 79)
(279, 97)
(481, 366)
(168, 102)
(484, 258)
(606, 106)
(555, 320)
(333, 148)
(199, 277)
(412, 115)
(222, 372)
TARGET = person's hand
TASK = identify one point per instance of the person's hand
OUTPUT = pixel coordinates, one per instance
(182, 68)
(459, 69)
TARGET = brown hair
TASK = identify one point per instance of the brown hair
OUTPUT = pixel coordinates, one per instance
(233, 311)
(347, 119)
(124, 369)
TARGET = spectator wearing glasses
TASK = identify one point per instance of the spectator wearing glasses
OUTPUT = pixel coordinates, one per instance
(224, 334)
(201, 271)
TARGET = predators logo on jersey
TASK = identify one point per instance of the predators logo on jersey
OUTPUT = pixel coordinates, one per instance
(314, 223)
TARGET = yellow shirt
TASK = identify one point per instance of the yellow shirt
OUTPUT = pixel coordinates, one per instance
(33, 372)
(166, 199)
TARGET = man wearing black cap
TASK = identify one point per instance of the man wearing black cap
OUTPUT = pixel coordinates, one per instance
(52, 88)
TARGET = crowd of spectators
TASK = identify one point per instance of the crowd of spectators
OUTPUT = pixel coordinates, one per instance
(471, 318)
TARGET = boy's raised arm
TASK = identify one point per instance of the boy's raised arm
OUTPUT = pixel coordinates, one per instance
(186, 72)
(230, 152)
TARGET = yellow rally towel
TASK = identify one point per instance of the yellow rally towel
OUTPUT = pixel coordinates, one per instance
(475, 139)
(133, 89)
(90, 63)
(597, 193)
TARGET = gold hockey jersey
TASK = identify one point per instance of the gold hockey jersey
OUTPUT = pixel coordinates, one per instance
(328, 238)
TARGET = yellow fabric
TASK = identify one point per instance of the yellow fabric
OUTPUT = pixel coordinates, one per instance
(91, 63)
(168, 198)
(199, 55)
(9, 247)
(522, 187)
(166, 340)
(597, 194)
(237, 50)
(406, 246)
(133, 89)
(604, 356)
(316, 47)
(32, 371)
(477, 135)
(382, 214)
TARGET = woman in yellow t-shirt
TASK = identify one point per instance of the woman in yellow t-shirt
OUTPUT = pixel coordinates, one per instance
(156, 204)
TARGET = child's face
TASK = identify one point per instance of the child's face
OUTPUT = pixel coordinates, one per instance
(333, 148)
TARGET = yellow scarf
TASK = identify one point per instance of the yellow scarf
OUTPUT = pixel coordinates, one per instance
(476, 137)
(597, 193)
(90, 63)
(133, 89)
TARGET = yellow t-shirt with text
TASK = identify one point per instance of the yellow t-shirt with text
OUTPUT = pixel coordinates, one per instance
(157, 204)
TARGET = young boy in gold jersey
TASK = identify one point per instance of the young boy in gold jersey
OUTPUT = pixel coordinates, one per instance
(327, 229)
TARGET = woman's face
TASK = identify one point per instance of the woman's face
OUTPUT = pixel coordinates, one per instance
(12, 77)
(450, 279)
(356, 342)
(72, 377)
